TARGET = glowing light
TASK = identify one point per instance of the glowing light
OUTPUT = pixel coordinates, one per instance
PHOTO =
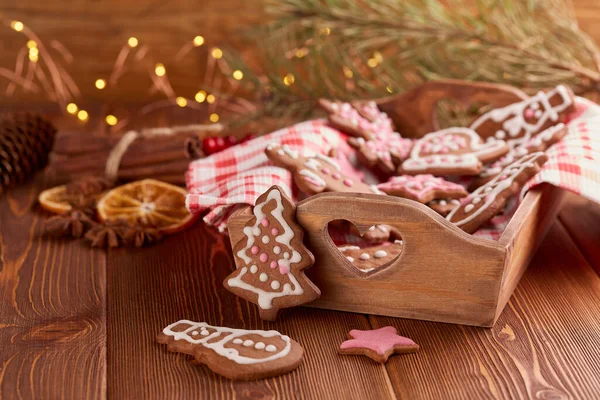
(214, 117)
(217, 53)
(289, 79)
(111, 120)
(160, 70)
(198, 41)
(132, 42)
(72, 108)
(181, 101)
(31, 44)
(238, 75)
(82, 115)
(33, 57)
(389, 89)
(301, 52)
(325, 31)
(378, 57)
(34, 52)
(348, 72)
(210, 98)
(17, 25)
(372, 63)
(100, 84)
(200, 96)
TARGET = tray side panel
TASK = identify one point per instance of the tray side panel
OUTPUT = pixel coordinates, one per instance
(524, 234)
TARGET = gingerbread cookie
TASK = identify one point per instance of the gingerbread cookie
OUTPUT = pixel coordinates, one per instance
(369, 259)
(316, 173)
(452, 151)
(377, 344)
(540, 142)
(443, 206)
(345, 117)
(519, 122)
(271, 258)
(422, 188)
(488, 200)
(234, 353)
(384, 153)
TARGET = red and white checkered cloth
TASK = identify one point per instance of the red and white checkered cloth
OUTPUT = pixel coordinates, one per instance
(240, 174)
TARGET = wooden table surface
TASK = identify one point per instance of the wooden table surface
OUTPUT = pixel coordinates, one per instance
(77, 323)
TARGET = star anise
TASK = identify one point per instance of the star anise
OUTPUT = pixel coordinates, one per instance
(107, 233)
(140, 235)
(85, 205)
(73, 223)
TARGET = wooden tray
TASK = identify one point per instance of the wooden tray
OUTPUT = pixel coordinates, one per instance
(442, 274)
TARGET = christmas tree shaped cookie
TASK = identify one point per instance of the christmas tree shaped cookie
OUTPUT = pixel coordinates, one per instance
(271, 258)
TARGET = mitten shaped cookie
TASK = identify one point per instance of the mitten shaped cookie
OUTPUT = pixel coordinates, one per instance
(452, 151)
(488, 200)
(519, 122)
(271, 258)
(234, 353)
(316, 173)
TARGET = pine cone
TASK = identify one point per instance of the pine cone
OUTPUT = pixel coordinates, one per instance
(139, 235)
(25, 142)
(107, 234)
(70, 224)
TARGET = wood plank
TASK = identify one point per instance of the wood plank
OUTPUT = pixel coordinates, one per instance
(181, 278)
(52, 325)
(543, 346)
(581, 218)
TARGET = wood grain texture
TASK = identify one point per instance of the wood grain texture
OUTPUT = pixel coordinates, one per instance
(182, 278)
(581, 218)
(52, 322)
(545, 344)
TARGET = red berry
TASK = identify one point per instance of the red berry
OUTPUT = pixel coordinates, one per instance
(248, 137)
(209, 146)
(230, 140)
(221, 145)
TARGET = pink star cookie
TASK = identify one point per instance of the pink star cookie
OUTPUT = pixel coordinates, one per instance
(377, 344)
(422, 188)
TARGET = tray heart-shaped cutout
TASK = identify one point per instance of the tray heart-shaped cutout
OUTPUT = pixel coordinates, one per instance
(368, 251)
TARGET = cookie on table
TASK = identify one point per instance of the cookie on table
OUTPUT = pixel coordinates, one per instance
(377, 344)
(316, 173)
(369, 259)
(452, 151)
(443, 206)
(519, 122)
(270, 259)
(540, 142)
(488, 200)
(422, 188)
(237, 354)
(385, 152)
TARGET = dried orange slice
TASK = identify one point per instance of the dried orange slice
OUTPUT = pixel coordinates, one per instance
(55, 200)
(149, 202)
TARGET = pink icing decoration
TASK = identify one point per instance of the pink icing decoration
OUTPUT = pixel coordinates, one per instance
(254, 250)
(273, 264)
(348, 182)
(264, 222)
(274, 231)
(529, 113)
(283, 269)
(325, 171)
(263, 257)
(336, 176)
(379, 340)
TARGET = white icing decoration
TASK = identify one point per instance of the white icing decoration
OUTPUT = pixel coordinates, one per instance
(397, 241)
(263, 277)
(289, 152)
(469, 207)
(265, 299)
(259, 346)
(375, 190)
(500, 134)
(248, 343)
(232, 334)
(266, 239)
(275, 285)
(194, 333)
(367, 269)
(513, 116)
(312, 176)
(253, 269)
(313, 164)
(364, 256)
(351, 259)
(443, 202)
(256, 231)
(237, 341)
(380, 254)
(346, 248)
(329, 160)
(276, 249)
